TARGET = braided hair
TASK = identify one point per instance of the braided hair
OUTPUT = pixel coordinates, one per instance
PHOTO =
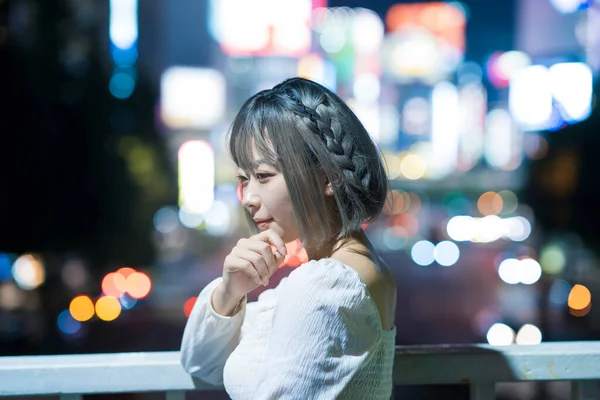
(312, 135)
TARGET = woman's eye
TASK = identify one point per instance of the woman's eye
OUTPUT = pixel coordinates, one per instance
(242, 179)
(263, 177)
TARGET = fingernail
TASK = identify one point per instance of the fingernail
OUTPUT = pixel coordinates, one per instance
(282, 250)
(266, 283)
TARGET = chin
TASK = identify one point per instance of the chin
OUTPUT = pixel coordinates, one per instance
(285, 234)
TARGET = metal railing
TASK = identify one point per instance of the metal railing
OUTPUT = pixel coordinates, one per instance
(480, 366)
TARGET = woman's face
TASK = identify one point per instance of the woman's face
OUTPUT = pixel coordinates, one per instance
(266, 197)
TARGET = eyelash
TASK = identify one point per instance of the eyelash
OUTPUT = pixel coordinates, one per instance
(260, 177)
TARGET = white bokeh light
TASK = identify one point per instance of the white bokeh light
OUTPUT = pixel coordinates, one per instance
(422, 252)
(500, 335)
(529, 335)
(446, 253)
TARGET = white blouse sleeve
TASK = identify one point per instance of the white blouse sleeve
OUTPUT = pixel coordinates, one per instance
(209, 337)
(324, 329)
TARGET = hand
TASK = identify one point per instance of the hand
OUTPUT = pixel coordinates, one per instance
(252, 262)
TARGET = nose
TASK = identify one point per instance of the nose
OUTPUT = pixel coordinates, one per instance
(250, 198)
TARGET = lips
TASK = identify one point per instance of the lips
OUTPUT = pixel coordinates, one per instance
(263, 223)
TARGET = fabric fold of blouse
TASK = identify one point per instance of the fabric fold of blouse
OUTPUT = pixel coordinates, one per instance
(317, 335)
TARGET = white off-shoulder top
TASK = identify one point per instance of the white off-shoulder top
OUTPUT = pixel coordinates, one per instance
(317, 335)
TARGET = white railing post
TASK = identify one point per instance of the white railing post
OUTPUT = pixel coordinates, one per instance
(482, 391)
(585, 390)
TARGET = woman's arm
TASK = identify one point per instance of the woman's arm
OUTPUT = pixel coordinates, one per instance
(209, 337)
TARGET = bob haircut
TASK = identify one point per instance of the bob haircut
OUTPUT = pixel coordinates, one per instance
(311, 136)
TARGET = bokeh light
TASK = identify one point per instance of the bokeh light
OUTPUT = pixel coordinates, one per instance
(108, 308)
(189, 305)
(446, 253)
(500, 334)
(138, 285)
(422, 252)
(552, 259)
(67, 324)
(579, 298)
(81, 308)
(490, 203)
(28, 271)
(529, 334)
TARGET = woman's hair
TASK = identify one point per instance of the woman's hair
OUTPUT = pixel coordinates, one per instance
(310, 135)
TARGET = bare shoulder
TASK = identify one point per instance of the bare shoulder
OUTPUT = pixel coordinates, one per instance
(379, 281)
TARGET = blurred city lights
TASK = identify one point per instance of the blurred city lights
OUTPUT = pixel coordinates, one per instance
(415, 116)
(510, 202)
(559, 292)
(165, 220)
(81, 308)
(192, 97)
(113, 284)
(123, 35)
(530, 97)
(501, 67)
(501, 144)
(526, 271)
(446, 253)
(138, 285)
(108, 308)
(67, 324)
(490, 203)
(190, 220)
(552, 259)
(28, 271)
(571, 85)
(445, 128)
(413, 166)
(569, 6)
(74, 273)
(196, 176)
(189, 305)
(265, 27)
(367, 31)
(127, 302)
(6, 261)
(218, 219)
(500, 335)
(529, 334)
(11, 296)
(580, 297)
(422, 252)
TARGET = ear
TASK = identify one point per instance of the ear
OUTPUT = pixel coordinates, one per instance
(328, 189)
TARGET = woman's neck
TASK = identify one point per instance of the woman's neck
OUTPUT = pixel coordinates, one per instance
(356, 242)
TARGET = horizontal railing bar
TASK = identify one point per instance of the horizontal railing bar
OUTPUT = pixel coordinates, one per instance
(413, 365)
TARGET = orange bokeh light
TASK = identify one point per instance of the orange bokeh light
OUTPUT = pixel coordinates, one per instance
(110, 286)
(108, 308)
(189, 305)
(579, 297)
(81, 308)
(490, 203)
(138, 285)
(125, 271)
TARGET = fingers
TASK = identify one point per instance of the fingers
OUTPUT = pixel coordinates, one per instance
(270, 236)
(255, 261)
(239, 264)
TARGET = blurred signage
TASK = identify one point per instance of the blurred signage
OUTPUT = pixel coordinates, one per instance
(261, 27)
(425, 40)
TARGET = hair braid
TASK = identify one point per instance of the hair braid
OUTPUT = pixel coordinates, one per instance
(341, 146)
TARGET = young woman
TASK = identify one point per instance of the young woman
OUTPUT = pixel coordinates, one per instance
(309, 171)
